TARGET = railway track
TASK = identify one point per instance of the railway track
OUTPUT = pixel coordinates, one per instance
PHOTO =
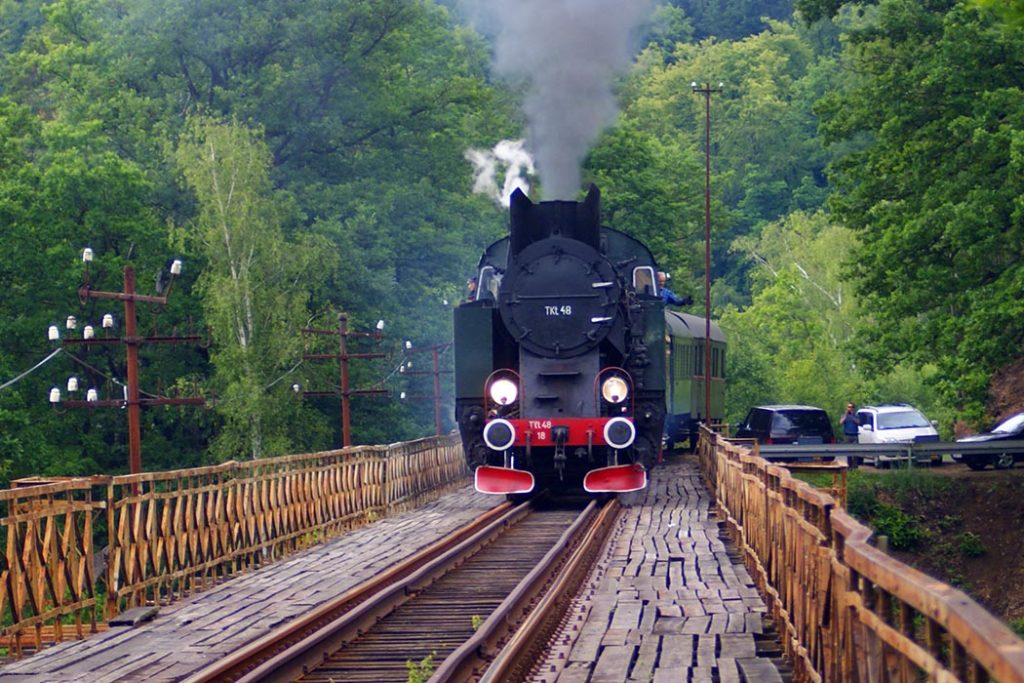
(450, 609)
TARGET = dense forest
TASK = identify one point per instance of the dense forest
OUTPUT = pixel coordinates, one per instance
(303, 159)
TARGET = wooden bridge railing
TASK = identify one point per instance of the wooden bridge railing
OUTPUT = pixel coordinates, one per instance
(168, 534)
(847, 610)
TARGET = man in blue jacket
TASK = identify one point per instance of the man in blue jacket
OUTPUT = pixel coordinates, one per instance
(668, 295)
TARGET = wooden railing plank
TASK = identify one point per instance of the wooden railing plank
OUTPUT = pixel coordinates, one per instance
(848, 611)
(169, 534)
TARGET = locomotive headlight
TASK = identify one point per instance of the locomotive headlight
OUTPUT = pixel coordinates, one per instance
(619, 432)
(615, 390)
(499, 434)
(504, 391)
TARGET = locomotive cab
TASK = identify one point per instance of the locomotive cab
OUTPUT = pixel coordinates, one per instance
(559, 359)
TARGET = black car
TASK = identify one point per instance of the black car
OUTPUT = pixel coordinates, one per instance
(786, 424)
(1010, 429)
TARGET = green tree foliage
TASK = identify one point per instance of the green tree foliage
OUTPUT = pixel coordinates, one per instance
(934, 190)
(766, 157)
(800, 322)
(733, 19)
(1012, 11)
(366, 108)
(645, 183)
(63, 188)
(256, 284)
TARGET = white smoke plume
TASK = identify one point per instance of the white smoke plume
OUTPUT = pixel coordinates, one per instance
(568, 51)
(508, 158)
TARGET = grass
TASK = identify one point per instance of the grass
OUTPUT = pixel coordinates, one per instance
(420, 672)
(1018, 626)
(868, 495)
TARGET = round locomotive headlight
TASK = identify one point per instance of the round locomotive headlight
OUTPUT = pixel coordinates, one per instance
(619, 432)
(615, 390)
(499, 434)
(504, 391)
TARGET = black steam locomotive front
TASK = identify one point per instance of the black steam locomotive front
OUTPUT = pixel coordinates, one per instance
(554, 372)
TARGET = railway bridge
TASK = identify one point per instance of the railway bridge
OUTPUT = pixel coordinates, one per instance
(726, 568)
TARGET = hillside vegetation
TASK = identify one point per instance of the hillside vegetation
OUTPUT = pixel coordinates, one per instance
(308, 158)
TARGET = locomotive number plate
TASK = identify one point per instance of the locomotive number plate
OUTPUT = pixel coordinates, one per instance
(558, 311)
(541, 430)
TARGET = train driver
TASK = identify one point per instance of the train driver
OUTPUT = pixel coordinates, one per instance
(668, 295)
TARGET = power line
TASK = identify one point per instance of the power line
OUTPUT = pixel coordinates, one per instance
(31, 369)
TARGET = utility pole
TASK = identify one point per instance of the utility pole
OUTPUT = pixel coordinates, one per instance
(131, 341)
(706, 90)
(435, 352)
(343, 356)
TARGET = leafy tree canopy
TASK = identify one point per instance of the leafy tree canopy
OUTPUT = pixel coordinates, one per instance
(934, 192)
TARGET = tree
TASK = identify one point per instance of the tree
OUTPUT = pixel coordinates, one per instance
(767, 159)
(1012, 11)
(733, 19)
(800, 323)
(932, 187)
(256, 284)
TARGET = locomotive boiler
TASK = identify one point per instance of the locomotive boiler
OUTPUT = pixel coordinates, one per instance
(560, 356)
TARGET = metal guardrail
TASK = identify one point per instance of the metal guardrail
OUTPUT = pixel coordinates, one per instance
(897, 450)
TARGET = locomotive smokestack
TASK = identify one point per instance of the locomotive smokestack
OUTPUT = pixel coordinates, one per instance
(573, 220)
(568, 51)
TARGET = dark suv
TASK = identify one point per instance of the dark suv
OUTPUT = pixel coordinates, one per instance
(786, 424)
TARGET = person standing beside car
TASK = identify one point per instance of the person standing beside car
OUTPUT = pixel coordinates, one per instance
(851, 424)
(851, 430)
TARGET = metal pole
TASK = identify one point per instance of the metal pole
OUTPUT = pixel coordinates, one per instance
(132, 346)
(706, 91)
(437, 391)
(346, 429)
(707, 256)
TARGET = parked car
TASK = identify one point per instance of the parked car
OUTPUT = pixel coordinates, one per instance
(786, 424)
(1010, 429)
(896, 423)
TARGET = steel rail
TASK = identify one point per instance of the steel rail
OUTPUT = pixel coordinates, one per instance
(519, 654)
(236, 665)
(295, 661)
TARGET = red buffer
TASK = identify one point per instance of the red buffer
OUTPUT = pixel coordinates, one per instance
(617, 479)
(502, 480)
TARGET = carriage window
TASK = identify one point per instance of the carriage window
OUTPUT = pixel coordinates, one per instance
(643, 280)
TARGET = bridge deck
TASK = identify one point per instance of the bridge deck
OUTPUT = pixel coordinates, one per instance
(195, 632)
(667, 602)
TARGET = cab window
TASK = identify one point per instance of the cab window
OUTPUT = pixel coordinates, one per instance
(643, 280)
(487, 284)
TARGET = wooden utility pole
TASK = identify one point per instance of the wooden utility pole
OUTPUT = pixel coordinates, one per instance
(131, 341)
(343, 356)
(435, 352)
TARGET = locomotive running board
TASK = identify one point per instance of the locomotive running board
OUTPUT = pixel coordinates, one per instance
(617, 479)
(502, 480)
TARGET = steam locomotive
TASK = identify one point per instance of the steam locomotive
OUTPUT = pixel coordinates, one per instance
(566, 359)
